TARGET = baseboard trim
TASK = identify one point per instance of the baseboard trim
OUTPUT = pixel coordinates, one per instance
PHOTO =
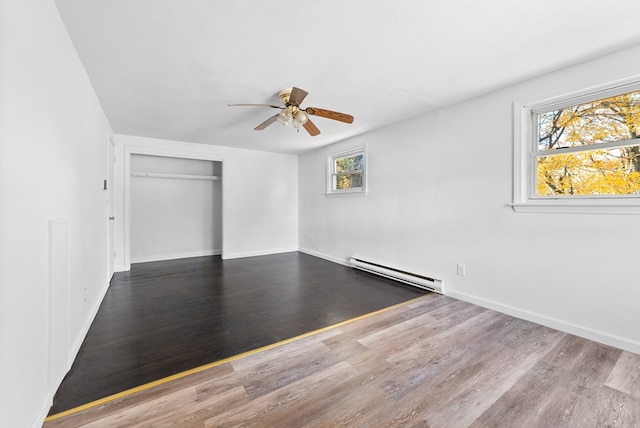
(229, 256)
(85, 329)
(43, 412)
(174, 256)
(344, 262)
(595, 335)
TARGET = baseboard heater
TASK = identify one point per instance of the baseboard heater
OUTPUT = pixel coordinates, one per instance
(419, 281)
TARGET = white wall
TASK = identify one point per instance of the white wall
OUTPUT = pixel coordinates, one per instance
(259, 195)
(401, 205)
(440, 186)
(53, 145)
(172, 216)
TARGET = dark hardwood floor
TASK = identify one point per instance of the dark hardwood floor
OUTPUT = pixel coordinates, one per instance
(162, 318)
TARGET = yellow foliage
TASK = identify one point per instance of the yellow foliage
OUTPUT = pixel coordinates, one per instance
(595, 172)
(592, 172)
(343, 182)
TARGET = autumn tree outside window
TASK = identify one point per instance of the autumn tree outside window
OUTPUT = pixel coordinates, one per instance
(582, 148)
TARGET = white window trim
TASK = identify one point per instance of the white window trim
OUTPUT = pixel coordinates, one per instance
(523, 145)
(361, 191)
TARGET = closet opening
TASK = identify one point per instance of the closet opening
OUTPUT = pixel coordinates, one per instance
(175, 207)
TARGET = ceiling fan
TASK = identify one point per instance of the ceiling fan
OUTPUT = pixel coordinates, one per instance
(292, 98)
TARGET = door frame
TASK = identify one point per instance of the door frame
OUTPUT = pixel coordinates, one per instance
(110, 196)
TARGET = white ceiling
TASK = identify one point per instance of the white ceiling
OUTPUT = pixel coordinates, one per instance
(168, 69)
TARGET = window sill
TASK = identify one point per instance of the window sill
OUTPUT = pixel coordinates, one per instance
(632, 208)
(354, 193)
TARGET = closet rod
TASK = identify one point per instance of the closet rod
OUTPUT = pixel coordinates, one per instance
(179, 176)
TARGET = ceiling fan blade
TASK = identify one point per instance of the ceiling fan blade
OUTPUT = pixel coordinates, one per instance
(266, 123)
(329, 114)
(297, 96)
(254, 105)
(311, 128)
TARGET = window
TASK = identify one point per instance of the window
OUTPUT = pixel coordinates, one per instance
(347, 172)
(581, 150)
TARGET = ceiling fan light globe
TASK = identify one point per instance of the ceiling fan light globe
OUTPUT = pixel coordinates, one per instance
(283, 117)
(301, 117)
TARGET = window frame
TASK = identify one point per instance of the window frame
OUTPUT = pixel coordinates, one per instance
(331, 174)
(525, 153)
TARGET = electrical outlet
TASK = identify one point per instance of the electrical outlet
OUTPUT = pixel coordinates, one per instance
(310, 239)
(85, 294)
(462, 270)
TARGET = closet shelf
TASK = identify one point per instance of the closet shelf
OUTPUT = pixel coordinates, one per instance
(178, 176)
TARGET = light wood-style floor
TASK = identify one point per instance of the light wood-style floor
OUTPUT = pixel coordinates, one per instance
(431, 362)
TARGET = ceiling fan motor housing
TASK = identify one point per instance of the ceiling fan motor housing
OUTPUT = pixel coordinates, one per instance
(293, 109)
(285, 95)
